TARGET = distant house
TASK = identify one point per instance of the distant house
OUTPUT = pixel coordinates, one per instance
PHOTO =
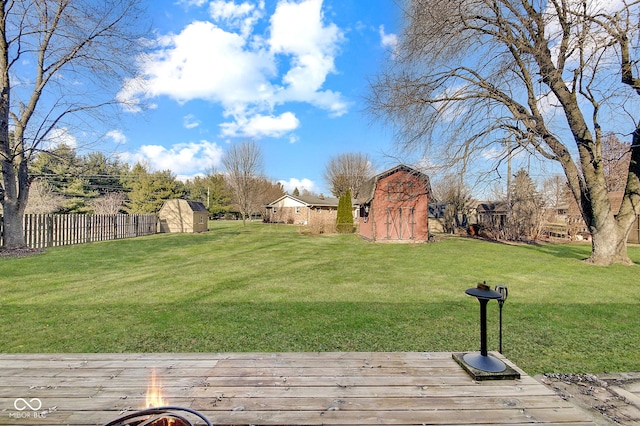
(303, 210)
(576, 225)
(179, 215)
(394, 206)
(492, 214)
(616, 201)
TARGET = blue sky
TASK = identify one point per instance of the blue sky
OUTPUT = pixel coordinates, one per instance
(289, 74)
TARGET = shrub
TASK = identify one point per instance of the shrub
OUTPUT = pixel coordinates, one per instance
(344, 221)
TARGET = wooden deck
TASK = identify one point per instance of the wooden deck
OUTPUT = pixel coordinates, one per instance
(274, 389)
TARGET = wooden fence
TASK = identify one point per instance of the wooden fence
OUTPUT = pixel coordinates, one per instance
(51, 230)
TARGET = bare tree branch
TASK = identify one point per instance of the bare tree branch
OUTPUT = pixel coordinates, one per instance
(471, 73)
(61, 65)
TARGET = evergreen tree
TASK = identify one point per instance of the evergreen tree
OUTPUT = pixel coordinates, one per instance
(212, 191)
(77, 196)
(149, 190)
(344, 221)
(58, 167)
(103, 174)
(64, 171)
(296, 192)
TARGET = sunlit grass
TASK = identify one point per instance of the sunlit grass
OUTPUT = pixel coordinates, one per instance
(271, 288)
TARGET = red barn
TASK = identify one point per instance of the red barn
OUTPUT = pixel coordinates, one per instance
(394, 206)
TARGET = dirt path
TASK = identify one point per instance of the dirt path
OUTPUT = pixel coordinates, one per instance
(608, 398)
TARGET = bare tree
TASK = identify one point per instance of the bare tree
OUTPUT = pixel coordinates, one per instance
(348, 171)
(472, 73)
(43, 199)
(526, 215)
(556, 197)
(451, 190)
(110, 203)
(268, 191)
(243, 163)
(61, 63)
(615, 158)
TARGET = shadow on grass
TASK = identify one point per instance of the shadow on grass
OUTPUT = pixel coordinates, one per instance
(577, 251)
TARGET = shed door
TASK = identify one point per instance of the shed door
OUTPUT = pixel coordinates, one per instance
(400, 223)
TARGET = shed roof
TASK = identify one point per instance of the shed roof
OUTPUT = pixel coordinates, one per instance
(195, 206)
(368, 188)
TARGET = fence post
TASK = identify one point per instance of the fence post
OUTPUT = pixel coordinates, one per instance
(48, 230)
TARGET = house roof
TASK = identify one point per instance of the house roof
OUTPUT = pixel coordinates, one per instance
(368, 188)
(492, 207)
(309, 200)
(615, 198)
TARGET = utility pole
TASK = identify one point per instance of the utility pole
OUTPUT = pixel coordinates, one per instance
(509, 173)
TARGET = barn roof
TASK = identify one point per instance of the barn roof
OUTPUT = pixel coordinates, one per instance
(368, 188)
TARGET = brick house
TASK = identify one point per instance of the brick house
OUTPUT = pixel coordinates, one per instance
(303, 210)
(577, 227)
(394, 206)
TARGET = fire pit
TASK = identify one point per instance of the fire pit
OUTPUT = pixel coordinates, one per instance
(159, 416)
(158, 413)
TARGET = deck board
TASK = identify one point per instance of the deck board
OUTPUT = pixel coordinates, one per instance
(275, 389)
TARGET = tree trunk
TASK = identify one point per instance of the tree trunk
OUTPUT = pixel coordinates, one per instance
(609, 243)
(13, 227)
(610, 229)
(15, 192)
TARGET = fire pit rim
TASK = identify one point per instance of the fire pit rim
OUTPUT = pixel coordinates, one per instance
(157, 410)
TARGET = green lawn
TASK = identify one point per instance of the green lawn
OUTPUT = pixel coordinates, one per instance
(271, 288)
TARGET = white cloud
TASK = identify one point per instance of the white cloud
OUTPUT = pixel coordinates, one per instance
(117, 136)
(247, 73)
(301, 184)
(493, 153)
(229, 10)
(261, 125)
(298, 30)
(387, 41)
(185, 159)
(206, 62)
(60, 136)
(189, 121)
(237, 16)
(498, 153)
(192, 2)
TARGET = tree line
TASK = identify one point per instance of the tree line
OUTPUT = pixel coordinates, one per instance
(65, 182)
